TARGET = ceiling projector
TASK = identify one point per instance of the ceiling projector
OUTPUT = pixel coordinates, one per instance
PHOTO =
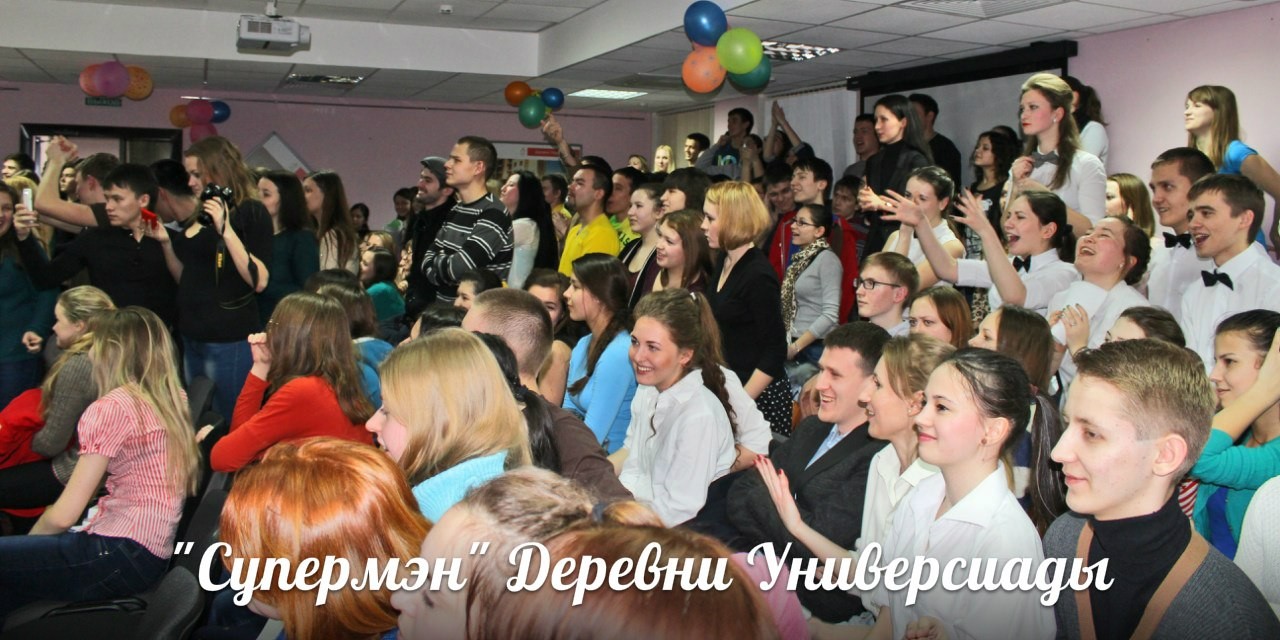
(271, 33)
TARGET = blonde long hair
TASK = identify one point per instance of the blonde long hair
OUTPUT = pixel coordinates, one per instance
(84, 304)
(448, 391)
(132, 350)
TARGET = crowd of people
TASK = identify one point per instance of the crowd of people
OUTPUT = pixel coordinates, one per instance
(1053, 362)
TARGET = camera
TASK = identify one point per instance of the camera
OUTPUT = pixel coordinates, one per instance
(210, 192)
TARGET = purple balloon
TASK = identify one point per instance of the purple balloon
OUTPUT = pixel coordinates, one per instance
(200, 111)
(111, 79)
(221, 111)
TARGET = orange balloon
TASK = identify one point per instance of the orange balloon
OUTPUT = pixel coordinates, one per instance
(140, 84)
(702, 72)
(87, 83)
(178, 116)
(516, 92)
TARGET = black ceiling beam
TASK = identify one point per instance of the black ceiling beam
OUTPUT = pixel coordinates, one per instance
(1038, 56)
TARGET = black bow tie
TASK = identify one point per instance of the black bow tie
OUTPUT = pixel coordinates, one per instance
(1022, 264)
(1172, 240)
(1212, 278)
(1038, 158)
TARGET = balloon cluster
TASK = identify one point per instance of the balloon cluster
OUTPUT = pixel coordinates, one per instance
(200, 115)
(719, 51)
(532, 106)
(112, 80)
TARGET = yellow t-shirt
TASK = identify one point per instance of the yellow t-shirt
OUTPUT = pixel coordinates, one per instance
(596, 237)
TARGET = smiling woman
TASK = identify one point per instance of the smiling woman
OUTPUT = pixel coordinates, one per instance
(682, 428)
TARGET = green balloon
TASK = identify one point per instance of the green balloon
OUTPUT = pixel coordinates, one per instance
(755, 78)
(531, 111)
(739, 50)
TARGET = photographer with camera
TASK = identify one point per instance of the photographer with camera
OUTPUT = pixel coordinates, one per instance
(220, 267)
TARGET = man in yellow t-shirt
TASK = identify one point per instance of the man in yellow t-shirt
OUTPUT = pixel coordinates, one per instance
(590, 189)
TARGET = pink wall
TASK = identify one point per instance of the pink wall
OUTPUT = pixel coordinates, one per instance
(374, 145)
(1143, 77)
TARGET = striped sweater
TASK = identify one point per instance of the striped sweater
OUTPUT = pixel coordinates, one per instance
(476, 235)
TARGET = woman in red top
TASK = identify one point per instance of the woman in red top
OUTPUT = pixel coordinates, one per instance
(138, 437)
(304, 383)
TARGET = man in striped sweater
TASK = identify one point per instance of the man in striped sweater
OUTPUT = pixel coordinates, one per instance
(477, 232)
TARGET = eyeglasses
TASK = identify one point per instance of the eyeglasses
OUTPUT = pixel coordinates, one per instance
(803, 223)
(870, 285)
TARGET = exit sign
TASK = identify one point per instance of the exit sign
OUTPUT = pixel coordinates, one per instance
(101, 102)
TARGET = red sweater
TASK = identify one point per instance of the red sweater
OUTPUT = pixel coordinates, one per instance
(302, 408)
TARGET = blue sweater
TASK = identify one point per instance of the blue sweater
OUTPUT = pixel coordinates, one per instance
(1238, 468)
(439, 492)
(605, 401)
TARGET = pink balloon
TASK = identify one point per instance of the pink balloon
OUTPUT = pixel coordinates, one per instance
(202, 131)
(200, 111)
(111, 79)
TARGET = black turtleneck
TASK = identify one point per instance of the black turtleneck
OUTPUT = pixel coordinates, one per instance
(1141, 551)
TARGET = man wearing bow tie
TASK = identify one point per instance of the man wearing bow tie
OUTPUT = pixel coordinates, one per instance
(1226, 214)
(1174, 264)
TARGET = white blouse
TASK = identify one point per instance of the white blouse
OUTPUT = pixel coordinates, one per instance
(1086, 187)
(989, 524)
(1104, 308)
(885, 490)
(1048, 276)
(679, 441)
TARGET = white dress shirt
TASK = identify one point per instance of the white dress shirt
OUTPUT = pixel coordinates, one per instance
(1255, 283)
(753, 429)
(1114, 302)
(885, 490)
(679, 442)
(988, 524)
(1086, 187)
(1047, 277)
(1174, 270)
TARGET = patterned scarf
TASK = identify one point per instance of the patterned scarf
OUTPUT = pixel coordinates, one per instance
(799, 263)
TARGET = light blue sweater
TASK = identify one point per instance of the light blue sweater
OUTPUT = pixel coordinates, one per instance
(439, 492)
(605, 401)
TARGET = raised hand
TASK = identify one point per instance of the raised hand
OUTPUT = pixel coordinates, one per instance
(869, 201)
(969, 212)
(780, 492)
(24, 220)
(261, 353)
(899, 208)
(1021, 168)
(1076, 322)
(552, 130)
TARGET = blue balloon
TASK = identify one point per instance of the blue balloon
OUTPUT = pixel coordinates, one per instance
(553, 98)
(756, 78)
(705, 22)
(221, 111)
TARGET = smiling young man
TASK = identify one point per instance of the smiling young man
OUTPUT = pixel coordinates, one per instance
(1175, 267)
(122, 259)
(1226, 214)
(591, 188)
(1137, 418)
(477, 232)
(827, 460)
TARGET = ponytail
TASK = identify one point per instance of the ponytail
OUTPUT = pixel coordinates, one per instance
(1049, 208)
(688, 317)
(1047, 490)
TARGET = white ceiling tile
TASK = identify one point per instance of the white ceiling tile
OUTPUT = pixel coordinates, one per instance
(808, 11)
(330, 70)
(533, 13)
(920, 46)
(1074, 15)
(992, 32)
(374, 5)
(583, 4)
(970, 53)
(506, 24)
(1163, 6)
(867, 59)
(29, 74)
(461, 9)
(643, 54)
(328, 12)
(1133, 24)
(170, 62)
(836, 37)
(668, 40)
(901, 21)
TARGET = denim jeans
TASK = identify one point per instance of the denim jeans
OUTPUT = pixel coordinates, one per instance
(226, 363)
(18, 376)
(73, 566)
